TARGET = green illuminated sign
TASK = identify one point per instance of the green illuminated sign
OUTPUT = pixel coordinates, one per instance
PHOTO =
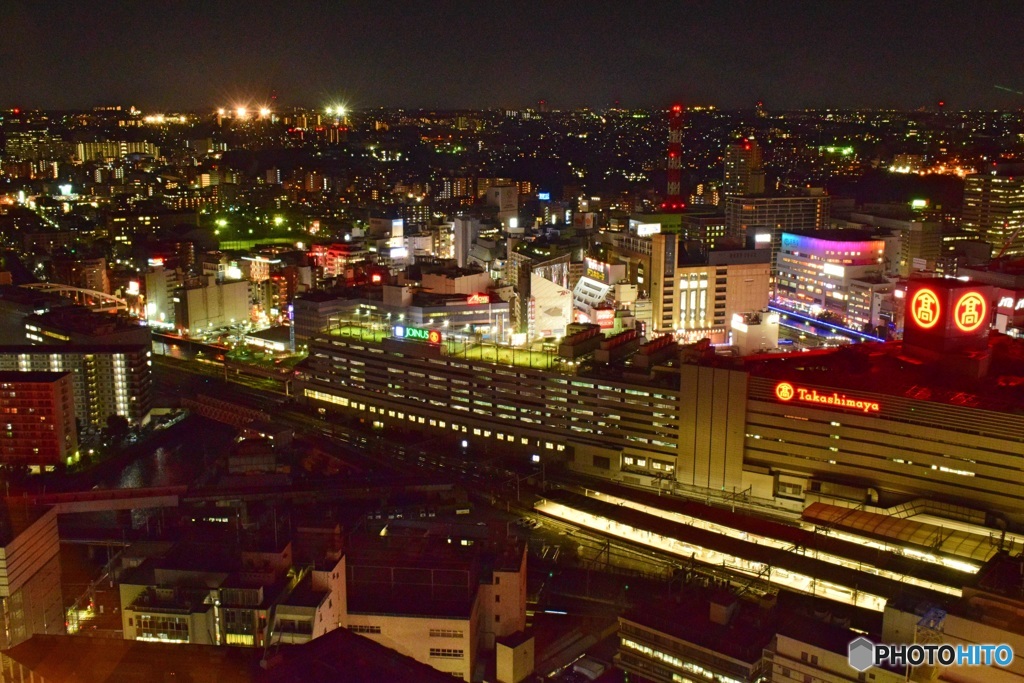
(418, 334)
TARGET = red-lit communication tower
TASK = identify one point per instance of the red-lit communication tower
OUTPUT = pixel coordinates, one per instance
(674, 199)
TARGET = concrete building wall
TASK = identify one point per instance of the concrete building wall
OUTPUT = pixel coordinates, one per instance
(30, 590)
(471, 283)
(445, 644)
(212, 307)
(908, 447)
(712, 412)
(795, 660)
(503, 605)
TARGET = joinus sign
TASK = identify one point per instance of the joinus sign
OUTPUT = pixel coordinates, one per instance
(419, 334)
(784, 391)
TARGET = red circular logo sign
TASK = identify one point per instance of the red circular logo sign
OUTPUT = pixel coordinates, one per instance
(785, 391)
(970, 312)
(924, 309)
(434, 337)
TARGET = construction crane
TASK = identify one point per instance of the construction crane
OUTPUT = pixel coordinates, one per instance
(1009, 241)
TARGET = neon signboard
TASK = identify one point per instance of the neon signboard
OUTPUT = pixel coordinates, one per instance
(1007, 302)
(784, 391)
(925, 309)
(970, 312)
(418, 334)
(475, 299)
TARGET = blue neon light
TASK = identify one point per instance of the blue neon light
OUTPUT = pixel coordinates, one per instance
(832, 326)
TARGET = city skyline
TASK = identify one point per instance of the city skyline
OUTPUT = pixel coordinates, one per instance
(447, 55)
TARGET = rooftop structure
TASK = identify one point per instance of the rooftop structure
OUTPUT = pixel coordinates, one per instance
(714, 634)
(338, 656)
(77, 325)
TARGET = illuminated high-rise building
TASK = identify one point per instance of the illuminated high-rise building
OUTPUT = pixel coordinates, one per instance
(994, 209)
(39, 416)
(764, 219)
(107, 379)
(840, 272)
(695, 294)
(744, 168)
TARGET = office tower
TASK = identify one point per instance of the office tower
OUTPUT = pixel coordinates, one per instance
(466, 229)
(764, 219)
(920, 242)
(744, 168)
(695, 294)
(994, 209)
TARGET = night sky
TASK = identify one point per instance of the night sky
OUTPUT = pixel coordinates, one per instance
(486, 53)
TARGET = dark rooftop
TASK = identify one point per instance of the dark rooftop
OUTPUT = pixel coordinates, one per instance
(74, 348)
(304, 595)
(515, 639)
(339, 656)
(1003, 575)
(15, 376)
(85, 321)
(838, 234)
(688, 618)
(31, 298)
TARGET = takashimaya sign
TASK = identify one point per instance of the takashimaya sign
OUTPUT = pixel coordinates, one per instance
(784, 391)
(969, 312)
(925, 309)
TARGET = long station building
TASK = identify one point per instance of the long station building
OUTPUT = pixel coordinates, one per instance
(934, 423)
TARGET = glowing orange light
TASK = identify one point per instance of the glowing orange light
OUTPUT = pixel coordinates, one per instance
(785, 391)
(434, 337)
(375, 278)
(970, 312)
(924, 309)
